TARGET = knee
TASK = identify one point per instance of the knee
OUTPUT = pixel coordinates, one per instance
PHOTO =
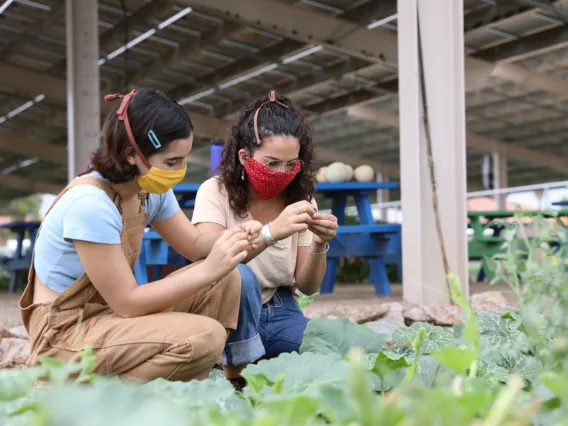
(217, 337)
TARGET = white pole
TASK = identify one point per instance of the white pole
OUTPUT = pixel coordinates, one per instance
(441, 26)
(83, 87)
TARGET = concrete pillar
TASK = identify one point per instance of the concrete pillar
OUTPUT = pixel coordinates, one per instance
(83, 91)
(441, 26)
(500, 179)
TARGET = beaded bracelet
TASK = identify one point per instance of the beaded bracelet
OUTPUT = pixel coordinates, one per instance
(321, 253)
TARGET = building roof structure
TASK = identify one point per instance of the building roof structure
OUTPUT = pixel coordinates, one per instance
(337, 59)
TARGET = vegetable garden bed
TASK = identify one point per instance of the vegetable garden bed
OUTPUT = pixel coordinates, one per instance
(496, 368)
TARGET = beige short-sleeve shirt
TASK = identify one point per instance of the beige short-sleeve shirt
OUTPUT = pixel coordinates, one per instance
(275, 266)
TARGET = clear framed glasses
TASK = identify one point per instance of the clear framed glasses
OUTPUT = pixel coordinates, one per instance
(279, 166)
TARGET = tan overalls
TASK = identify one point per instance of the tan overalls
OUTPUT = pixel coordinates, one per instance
(180, 344)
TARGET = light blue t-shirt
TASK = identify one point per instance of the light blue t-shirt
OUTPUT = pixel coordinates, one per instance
(85, 213)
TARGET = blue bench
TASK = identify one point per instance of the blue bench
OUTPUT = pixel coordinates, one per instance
(377, 243)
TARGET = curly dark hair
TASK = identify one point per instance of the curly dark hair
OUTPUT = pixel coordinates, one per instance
(149, 109)
(273, 120)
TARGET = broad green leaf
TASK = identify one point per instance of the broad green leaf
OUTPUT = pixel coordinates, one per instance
(477, 396)
(110, 404)
(292, 409)
(416, 346)
(490, 264)
(435, 338)
(365, 402)
(15, 384)
(338, 336)
(438, 407)
(303, 373)
(305, 300)
(457, 296)
(50, 362)
(336, 406)
(431, 373)
(206, 393)
(556, 383)
(456, 359)
(388, 362)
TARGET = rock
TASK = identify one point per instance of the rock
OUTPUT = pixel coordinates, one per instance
(493, 301)
(371, 313)
(357, 314)
(444, 315)
(385, 326)
(395, 312)
(415, 313)
(13, 349)
(19, 332)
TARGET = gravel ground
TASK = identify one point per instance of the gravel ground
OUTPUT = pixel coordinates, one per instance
(346, 298)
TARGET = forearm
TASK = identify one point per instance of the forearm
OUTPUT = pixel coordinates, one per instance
(163, 294)
(202, 245)
(310, 275)
(253, 253)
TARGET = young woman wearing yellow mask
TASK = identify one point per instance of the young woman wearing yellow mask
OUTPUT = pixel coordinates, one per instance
(81, 289)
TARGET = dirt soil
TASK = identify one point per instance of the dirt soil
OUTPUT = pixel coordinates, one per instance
(349, 297)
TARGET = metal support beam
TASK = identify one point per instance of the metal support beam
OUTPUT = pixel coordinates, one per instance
(500, 179)
(345, 36)
(28, 185)
(306, 26)
(205, 126)
(50, 152)
(441, 29)
(385, 117)
(83, 86)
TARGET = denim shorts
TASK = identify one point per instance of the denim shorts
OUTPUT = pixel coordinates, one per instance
(264, 330)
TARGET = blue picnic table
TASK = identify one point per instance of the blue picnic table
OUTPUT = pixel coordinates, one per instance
(378, 243)
(21, 259)
(562, 203)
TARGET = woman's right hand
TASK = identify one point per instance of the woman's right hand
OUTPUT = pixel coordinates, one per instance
(293, 218)
(230, 249)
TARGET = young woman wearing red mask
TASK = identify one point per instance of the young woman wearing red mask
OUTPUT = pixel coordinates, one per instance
(266, 174)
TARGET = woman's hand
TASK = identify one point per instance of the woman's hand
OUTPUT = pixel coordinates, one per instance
(323, 226)
(252, 228)
(294, 218)
(230, 249)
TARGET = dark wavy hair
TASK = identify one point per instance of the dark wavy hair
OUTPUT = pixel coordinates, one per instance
(273, 120)
(149, 109)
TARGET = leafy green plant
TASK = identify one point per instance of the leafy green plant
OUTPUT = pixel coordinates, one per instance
(507, 368)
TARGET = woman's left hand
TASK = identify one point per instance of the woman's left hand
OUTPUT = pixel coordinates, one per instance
(253, 228)
(323, 226)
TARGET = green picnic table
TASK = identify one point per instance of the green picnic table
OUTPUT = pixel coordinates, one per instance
(482, 246)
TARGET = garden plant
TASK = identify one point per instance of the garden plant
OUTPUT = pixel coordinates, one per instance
(505, 368)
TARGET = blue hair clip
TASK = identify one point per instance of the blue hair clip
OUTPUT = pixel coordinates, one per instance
(154, 139)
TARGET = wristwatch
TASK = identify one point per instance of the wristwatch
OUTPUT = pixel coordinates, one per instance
(267, 236)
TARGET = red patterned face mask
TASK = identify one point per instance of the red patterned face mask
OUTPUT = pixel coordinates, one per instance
(268, 183)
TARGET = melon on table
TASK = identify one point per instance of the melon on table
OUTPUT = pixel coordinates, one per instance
(364, 173)
(322, 175)
(336, 172)
(348, 172)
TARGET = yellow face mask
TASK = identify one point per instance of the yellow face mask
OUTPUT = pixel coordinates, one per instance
(159, 181)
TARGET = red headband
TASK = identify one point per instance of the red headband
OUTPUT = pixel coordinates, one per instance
(123, 116)
(271, 98)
